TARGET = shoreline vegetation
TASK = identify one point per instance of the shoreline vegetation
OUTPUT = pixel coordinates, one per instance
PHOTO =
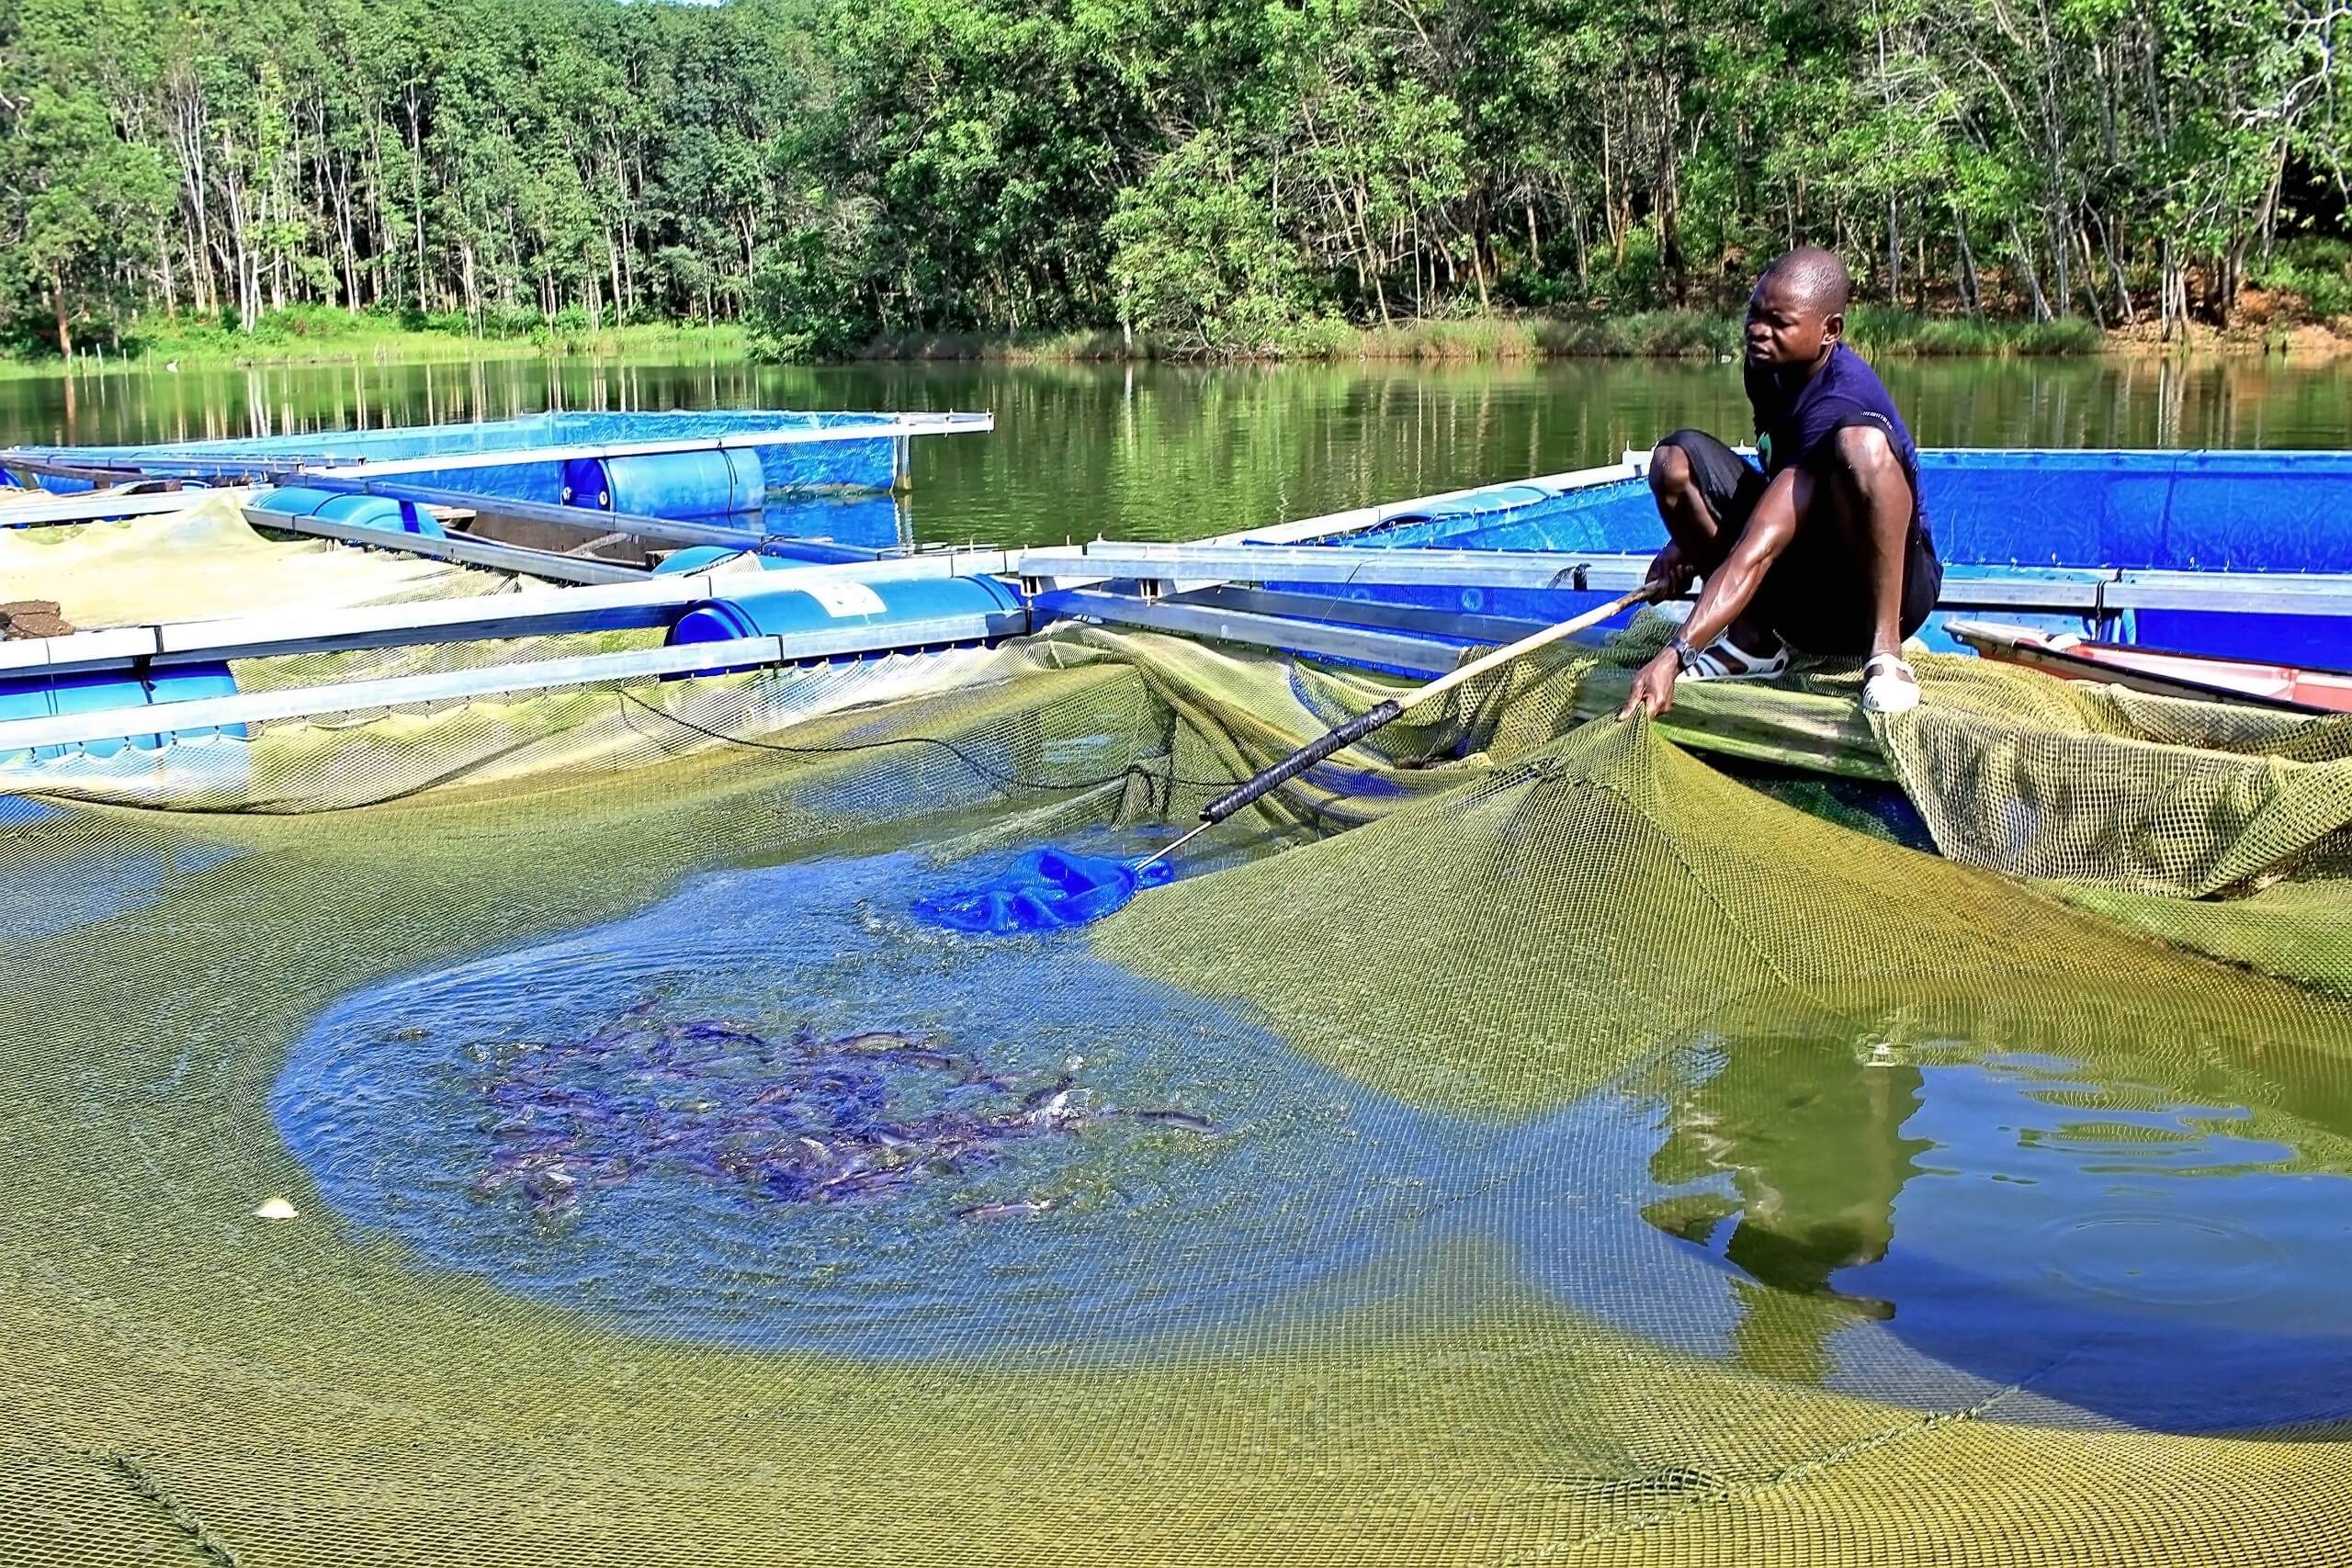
(1226, 181)
(323, 336)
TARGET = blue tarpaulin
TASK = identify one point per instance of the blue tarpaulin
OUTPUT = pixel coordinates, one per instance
(2066, 514)
(1043, 890)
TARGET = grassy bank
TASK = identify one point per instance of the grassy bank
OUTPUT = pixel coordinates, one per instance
(316, 335)
(1648, 334)
(320, 337)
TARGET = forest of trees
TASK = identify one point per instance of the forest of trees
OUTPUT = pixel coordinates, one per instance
(1210, 171)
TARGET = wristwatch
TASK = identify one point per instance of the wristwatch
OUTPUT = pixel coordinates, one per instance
(1684, 654)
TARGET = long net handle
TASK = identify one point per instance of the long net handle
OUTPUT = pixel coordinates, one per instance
(1527, 644)
(1373, 719)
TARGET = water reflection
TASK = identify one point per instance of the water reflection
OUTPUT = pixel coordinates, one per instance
(2101, 1236)
(2146, 1234)
(1171, 452)
(1813, 1146)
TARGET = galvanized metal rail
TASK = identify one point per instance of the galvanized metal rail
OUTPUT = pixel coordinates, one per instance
(878, 430)
(600, 669)
(1161, 571)
(645, 602)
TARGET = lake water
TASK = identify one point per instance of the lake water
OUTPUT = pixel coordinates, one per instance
(670, 1063)
(1176, 452)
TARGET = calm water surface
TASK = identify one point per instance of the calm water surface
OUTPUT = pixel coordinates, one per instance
(775, 1110)
(1169, 452)
(2128, 1241)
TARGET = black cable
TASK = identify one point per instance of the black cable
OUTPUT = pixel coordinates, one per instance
(1015, 781)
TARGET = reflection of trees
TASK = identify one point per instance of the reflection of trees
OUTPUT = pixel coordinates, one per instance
(1810, 1138)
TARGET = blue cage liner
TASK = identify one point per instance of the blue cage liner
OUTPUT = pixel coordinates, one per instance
(2072, 515)
(666, 484)
(51, 696)
(358, 510)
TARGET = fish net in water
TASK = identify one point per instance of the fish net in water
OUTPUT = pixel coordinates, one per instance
(2221, 828)
(1521, 1142)
(208, 562)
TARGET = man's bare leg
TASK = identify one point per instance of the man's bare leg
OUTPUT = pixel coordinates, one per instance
(1700, 535)
(1864, 495)
(1682, 506)
(1868, 501)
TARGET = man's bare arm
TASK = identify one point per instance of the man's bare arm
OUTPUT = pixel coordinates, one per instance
(1731, 587)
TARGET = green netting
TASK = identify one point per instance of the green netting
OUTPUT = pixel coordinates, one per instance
(1596, 1159)
(2224, 828)
(208, 562)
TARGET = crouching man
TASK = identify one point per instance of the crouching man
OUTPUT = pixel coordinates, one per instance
(1826, 550)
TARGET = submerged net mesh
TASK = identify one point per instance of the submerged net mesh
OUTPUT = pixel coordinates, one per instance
(1527, 1144)
(208, 562)
(2225, 829)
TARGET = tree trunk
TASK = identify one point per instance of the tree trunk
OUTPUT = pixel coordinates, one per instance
(163, 265)
(1894, 252)
(65, 330)
(2173, 290)
(2115, 271)
(2024, 254)
(2058, 258)
(416, 188)
(2268, 219)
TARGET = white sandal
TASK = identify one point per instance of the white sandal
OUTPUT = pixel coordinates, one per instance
(1889, 685)
(1722, 659)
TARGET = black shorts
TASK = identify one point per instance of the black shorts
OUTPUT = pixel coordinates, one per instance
(1816, 597)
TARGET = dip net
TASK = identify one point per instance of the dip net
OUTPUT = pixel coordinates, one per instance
(1521, 1142)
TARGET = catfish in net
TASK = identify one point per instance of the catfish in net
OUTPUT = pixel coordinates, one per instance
(1822, 549)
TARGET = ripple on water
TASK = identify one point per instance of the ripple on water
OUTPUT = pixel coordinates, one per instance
(774, 1109)
(2155, 1257)
(2100, 1242)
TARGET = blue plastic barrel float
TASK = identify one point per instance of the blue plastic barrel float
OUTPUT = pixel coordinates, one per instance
(773, 555)
(711, 483)
(103, 691)
(379, 512)
(778, 610)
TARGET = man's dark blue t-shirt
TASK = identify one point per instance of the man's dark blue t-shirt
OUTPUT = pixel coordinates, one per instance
(1794, 431)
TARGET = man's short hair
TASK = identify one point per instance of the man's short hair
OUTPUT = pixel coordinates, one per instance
(1817, 276)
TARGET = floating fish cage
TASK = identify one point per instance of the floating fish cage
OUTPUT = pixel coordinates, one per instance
(556, 1022)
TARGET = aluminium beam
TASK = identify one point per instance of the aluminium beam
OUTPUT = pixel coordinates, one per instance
(650, 601)
(1170, 568)
(1315, 638)
(92, 650)
(2233, 593)
(1448, 625)
(1304, 563)
(589, 670)
(97, 474)
(1359, 518)
(918, 425)
(159, 463)
(587, 518)
(456, 547)
(94, 506)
